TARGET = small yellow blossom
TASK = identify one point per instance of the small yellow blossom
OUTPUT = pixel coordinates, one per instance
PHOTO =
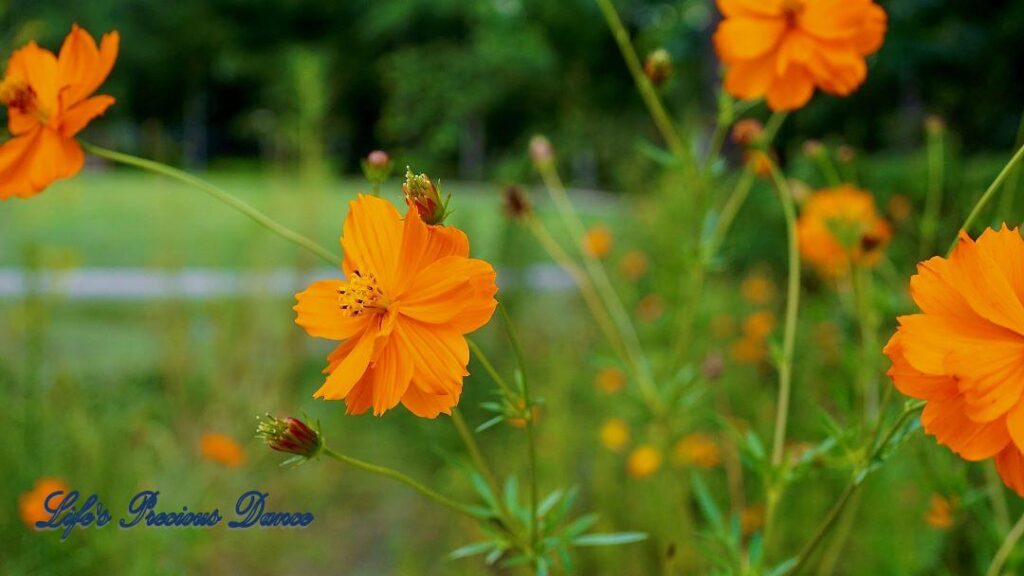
(614, 434)
(643, 461)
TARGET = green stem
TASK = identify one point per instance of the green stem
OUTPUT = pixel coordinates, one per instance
(868, 341)
(792, 311)
(1010, 190)
(478, 459)
(1012, 537)
(739, 194)
(596, 272)
(218, 193)
(396, 475)
(643, 84)
(996, 184)
(844, 498)
(933, 203)
(528, 418)
(489, 367)
(583, 282)
(996, 495)
(828, 168)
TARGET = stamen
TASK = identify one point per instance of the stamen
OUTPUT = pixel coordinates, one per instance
(361, 294)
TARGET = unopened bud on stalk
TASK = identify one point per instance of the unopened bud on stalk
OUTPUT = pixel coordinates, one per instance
(846, 154)
(747, 132)
(422, 194)
(813, 149)
(517, 204)
(934, 125)
(713, 366)
(541, 151)
(658, 66)
(289, 435)
(377, 167)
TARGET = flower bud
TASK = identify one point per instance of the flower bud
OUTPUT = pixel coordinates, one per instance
(289, 435)
(377, 167)
(517, 204)
(713, 366)
(846, 154)
(658, 66)
(934, 125)
(422, 194)
(541, 151)
(814, 149)
(747, 132)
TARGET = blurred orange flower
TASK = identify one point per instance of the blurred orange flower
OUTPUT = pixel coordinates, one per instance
(633, 265)
(222, 449)
(759, 325)
(783, 49)
(598, 241)
(32, 504)
(839, 227)
(748, 350)
(940, 513)
(610, 380)
(614, 434)
(650, 308)
(900, 207)
(49, 101)
(643, 461)
(964, 353)
(757, 289)
(412, 294)
(698, 450)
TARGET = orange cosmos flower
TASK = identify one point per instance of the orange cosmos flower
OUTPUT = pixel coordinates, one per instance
(597, 242)
(839, 227)
(644, 461)
(783, 49)
(964, 353)
(940, 512)
(698, 450)
(222, 449)
(49, 100)
(610, 380)
(412, 294)
(32, 504)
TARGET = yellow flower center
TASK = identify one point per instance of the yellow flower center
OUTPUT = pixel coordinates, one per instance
(361, 294)
(18, 95)
(791, 9)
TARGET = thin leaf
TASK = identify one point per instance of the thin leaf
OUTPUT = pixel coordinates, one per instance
(613, 539)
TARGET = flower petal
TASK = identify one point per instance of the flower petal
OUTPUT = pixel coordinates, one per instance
(318, 312)
(740, 39)
(979, 278)
(750, 8)
(1010, 464)
(439, 356)
(371, 238)
(444, 289)
(946, 420)
(423, 245)
(78, 117)
(83, 66)
(791, 91)
(349, 362)
(750, 79)
(913, 382)
(428, 405)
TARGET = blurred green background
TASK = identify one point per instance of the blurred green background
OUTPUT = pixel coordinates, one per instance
(278, 101)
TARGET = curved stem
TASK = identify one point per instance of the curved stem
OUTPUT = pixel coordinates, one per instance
(792, 311)
(396, 475)
(478, 458)
(528, 418)
(596, 271)
(489, 367)
(996, 184)
(1007, 546)
(643, 84)
(582, 281)
(844, 498)
(218, 193)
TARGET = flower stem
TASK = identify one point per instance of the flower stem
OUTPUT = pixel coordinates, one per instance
(857, 479)
(582, 281)
(612, 302)
(647, 91)
(792, 311)
(491, 371)
(218, 193)
(528, 418)
(1012, 537)
(868, 341)
(742, 190)
(933, 203)
(396, 475)
(478, 459)
(996, 184)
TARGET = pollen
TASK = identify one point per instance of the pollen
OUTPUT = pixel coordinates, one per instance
(17, 94)
(791, 9)
(361, 294)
